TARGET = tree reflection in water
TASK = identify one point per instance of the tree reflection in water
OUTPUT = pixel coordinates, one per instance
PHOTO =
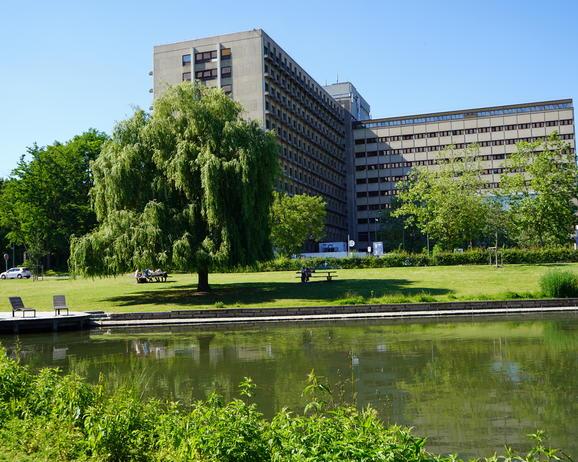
(471, 386)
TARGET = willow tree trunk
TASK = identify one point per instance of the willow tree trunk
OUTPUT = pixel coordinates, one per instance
(203, 283)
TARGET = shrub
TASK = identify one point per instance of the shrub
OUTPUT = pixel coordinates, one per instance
(400, 259)
(50, 416)
(559, 284)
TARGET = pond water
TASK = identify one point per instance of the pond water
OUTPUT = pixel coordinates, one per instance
(470, 385)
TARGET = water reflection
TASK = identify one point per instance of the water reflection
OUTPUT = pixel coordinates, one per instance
(470, 385)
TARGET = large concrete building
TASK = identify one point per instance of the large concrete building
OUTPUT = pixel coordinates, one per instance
(329, 144)
(387, 149)
(313, 129)
(350, 99)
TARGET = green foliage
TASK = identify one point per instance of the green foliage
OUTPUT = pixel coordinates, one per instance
(446, 203)
(188, 187)
(541, 188)
(4, 242)
(398, 259)
(396, 234)
(49, 416)
(295, 219)
(533, 206)
(45, 200)
(559, 284)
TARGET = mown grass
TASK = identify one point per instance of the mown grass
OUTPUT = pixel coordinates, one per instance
(279, 289)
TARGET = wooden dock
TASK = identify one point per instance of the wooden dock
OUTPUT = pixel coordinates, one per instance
(45, 321)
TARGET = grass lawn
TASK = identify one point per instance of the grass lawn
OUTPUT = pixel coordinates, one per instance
(384, 285)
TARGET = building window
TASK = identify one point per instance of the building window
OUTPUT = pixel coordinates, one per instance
(209, 74)
(227, 89)
(225, 53)
(226, 71)
(205, 56)
(186, 59)
(186, 76)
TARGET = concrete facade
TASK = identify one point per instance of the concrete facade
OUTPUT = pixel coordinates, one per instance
(312, 128)
(350, 99)
(385, 150)
(329, 145)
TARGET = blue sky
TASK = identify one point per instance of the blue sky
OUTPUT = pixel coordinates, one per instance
(66, 66)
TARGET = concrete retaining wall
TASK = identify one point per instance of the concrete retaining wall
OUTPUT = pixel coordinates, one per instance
(342, 309)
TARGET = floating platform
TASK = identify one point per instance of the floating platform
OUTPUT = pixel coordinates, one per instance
(45, 321)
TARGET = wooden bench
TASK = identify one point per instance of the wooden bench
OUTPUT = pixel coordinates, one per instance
(18, 305)
(329, 275)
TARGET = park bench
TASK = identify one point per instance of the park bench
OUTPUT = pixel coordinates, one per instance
(153, 276)
(329, 275)
(59, 304)
(18, 305)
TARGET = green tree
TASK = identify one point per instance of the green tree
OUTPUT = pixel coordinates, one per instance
(3, 230)
(46, 199)
(446, 203)
(187, 187)
(296, 219)
(541, 190)
(396, 234)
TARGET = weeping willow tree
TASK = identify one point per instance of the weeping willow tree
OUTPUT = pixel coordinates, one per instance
(187, 187)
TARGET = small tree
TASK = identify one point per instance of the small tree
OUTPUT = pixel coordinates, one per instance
(188, 187)
(295, 219)
(541, 190)
(446, 203)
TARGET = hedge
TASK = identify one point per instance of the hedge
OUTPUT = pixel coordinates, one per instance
(399, 259)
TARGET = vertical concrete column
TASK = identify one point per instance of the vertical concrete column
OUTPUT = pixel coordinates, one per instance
(219, 64)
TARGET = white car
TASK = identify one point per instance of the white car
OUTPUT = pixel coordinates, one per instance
(16, 273)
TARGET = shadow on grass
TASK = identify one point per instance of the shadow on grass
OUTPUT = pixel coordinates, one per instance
(255, 293)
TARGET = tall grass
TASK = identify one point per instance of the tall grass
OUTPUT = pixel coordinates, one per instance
(559, 284)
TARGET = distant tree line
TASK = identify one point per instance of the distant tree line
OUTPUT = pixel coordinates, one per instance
(46, 199)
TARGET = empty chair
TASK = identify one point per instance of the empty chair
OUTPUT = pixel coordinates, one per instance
(18, 305)
(59, 304)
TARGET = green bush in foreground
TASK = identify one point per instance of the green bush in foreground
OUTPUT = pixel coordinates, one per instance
(559, 284)
(49, 416)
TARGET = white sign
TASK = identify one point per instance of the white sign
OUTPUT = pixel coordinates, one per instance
(351, 243)
(378, 248)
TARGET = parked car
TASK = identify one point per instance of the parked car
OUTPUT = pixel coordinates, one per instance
(16, 273)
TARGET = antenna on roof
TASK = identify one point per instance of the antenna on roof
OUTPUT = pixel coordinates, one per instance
(338, 77)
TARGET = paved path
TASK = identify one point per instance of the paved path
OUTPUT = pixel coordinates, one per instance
(45, 321)
(328, 317)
